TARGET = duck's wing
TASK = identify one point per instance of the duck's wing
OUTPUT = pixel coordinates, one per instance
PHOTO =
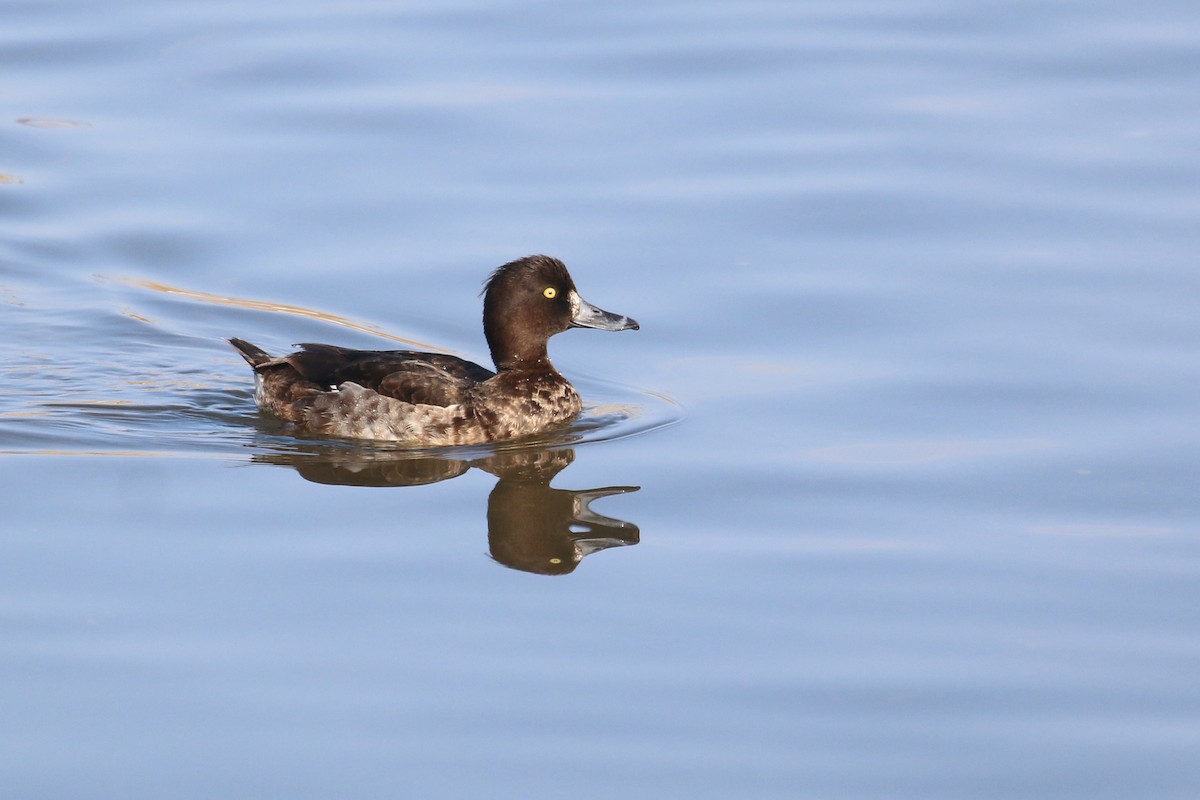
(415, 381)
(407, 375)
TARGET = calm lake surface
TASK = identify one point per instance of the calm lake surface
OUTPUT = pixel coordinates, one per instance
(894, 495)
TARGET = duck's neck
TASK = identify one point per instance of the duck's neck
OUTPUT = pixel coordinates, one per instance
(534, 361)
(509, 357)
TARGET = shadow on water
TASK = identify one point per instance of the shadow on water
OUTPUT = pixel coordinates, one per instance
(531, 526)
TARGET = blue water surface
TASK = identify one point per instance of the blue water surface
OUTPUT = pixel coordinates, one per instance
(893, 495)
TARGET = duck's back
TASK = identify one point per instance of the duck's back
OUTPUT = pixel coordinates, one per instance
(407, 375)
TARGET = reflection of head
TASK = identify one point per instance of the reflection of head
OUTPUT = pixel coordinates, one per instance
(534, 528)
(529, 528)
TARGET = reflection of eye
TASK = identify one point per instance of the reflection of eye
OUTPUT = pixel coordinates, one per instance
(550, 292)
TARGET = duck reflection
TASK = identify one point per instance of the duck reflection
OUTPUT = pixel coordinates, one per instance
(531, 527)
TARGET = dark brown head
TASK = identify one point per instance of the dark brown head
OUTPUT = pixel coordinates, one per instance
(529, 300)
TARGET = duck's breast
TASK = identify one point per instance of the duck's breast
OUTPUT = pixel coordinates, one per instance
(523, 404)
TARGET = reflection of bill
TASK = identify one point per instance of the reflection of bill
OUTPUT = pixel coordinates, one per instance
(531, 527)
(534, 528)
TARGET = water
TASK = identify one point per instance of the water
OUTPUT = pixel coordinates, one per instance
(893, 495)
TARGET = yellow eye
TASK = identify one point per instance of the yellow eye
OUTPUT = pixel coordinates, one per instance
(550, 293)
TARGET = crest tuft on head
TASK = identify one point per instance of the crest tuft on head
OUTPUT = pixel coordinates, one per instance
(546, 267)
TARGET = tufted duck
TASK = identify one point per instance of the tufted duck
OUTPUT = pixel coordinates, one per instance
(430, 399)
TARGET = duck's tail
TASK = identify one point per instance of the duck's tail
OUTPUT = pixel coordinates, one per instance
(255, 356)
(278, 388)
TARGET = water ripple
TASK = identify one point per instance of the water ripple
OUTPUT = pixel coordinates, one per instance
(139, 380)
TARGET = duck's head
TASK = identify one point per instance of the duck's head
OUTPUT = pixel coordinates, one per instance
(527, 301)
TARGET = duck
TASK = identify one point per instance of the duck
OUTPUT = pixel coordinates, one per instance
(421, 399)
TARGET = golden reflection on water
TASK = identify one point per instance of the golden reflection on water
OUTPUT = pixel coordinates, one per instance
(137, 317)
(267, 305)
